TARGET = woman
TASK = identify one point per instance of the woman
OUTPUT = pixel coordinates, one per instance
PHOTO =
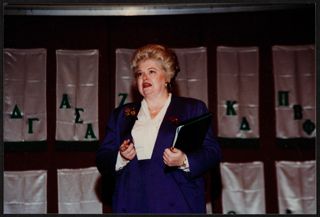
(149, 176)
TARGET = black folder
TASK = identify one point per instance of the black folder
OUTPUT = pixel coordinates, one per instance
(190, 134)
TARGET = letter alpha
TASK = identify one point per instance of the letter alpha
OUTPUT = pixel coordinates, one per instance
(90, 132)
(65, 102)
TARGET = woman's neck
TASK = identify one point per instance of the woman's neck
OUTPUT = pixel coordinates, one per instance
(155, 104)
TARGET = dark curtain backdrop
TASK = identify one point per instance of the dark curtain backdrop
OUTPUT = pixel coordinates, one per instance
(262, 29)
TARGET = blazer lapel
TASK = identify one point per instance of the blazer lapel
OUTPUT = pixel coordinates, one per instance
(129, 120)
(167, 129)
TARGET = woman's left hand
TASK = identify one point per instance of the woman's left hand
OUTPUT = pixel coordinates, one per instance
(173, 157)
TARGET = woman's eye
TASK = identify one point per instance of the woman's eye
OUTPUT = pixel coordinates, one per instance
(152, 72)
(138, 74)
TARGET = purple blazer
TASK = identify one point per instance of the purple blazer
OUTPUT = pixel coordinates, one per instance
(149, 186)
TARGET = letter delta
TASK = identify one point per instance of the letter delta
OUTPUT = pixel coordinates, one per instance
(230, 111)
(17, 114)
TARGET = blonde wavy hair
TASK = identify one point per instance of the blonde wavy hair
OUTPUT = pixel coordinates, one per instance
(161, 53)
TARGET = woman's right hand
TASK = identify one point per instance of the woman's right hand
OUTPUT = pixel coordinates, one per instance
(127, 150)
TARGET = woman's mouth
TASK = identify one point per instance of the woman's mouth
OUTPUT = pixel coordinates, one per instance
(145, 85)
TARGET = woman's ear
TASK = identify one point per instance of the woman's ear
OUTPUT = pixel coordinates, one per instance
(168, 86)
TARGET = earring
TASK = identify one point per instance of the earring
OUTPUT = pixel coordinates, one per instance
(168, 85)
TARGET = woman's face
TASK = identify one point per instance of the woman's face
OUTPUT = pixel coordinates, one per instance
(151, 78)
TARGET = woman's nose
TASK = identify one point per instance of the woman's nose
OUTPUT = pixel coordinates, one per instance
(144, 76)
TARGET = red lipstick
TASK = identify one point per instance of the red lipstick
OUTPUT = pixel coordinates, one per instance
(146, 84)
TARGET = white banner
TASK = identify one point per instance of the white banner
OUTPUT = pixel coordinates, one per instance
(243, 188)
(296, 187)
(25, 116)
(192, 78)
(238, 92)
(77, 191)
(295, 83)
(191, 81)
(25, 192)
(77, 95)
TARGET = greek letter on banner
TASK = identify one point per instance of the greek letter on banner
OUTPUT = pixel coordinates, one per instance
(25, 116)
(294, 77)
(191, 81)
(238, 92)
(77, 95)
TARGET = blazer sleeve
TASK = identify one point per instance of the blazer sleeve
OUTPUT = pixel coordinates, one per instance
(209, 155)
(107, 152)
